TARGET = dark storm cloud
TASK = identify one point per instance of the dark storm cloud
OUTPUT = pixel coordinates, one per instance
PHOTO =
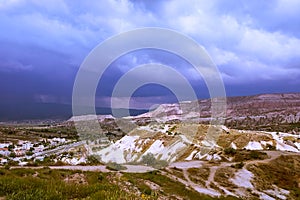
(255, 44)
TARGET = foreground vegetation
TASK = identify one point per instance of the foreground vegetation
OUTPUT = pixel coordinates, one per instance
(63, 184)
(283, 172)
(57, 184)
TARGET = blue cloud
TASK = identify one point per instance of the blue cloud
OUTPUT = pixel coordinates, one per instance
(252, 42)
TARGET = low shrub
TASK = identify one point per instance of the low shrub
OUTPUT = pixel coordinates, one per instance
(271, 147)
(239, 165)
(230, 151)
(150, 160)
(115, 166)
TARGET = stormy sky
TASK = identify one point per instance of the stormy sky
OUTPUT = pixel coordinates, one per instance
(255, 45)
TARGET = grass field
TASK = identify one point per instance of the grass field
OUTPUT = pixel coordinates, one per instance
(63, 184)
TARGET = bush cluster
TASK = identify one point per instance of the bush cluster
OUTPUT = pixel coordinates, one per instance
(150, 160)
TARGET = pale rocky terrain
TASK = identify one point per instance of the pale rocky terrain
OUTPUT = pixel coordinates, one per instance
(243, 164)
(183, 142)
(268, 112)
(254, 155)
(265, 112)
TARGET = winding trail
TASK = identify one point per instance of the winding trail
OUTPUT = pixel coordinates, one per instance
(184, 166)
(93, 168)
(272, 155)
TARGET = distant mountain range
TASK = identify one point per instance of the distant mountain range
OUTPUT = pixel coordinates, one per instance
(46, 111)
(272, 112)
(268, 112)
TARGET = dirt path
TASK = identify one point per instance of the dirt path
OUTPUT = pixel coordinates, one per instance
(96, 168)
(210, 180)
(184, 166)
(99, 168)
(272, 156)
(212, 172)
(188, 183)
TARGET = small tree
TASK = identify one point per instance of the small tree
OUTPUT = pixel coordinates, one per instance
(92, 160)
(115, 166)
(29, 153)
(230, 151)
(11, 147)
(12, 155)
(148, 159)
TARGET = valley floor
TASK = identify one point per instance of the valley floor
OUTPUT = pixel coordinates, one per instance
(251, 180)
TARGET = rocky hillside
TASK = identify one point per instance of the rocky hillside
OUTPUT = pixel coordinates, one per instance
(266, 112)
(274, 112)
(241, 164)
(184, 142)
(213, 160)
(270, 112)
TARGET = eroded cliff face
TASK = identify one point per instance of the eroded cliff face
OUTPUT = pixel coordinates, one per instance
(272, 112)
(266, 112)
